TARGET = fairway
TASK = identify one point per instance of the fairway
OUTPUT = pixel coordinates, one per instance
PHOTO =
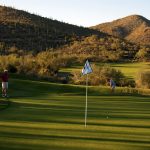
(49, 116)
(130, 69)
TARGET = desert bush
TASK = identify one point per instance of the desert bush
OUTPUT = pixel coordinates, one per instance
(143, 79)
(125, 82)
(47, 64)
(11, 68)
(9, 62)
(27, 66)
(106, 72)
(143, 54)
(99, 76)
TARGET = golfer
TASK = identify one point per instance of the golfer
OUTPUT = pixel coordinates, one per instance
(112, 85)
(4, 78)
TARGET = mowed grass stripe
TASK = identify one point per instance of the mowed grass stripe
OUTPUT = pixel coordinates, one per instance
(51, 116)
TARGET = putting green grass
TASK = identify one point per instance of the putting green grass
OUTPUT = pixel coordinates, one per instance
(48, 116)
(4, 104)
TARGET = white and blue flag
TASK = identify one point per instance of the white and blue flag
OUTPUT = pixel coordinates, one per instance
(87, 68)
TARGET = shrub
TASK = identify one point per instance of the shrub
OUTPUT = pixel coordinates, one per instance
(47, 63)
(127, 82)
(11, 68)
(143, 54)
(143, 79)
(99, 76)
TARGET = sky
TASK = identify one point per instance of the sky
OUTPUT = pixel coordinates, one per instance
(82, 12)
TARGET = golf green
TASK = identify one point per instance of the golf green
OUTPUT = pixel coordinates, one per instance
(49, 116)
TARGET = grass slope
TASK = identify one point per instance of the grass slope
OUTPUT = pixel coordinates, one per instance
(47, 116)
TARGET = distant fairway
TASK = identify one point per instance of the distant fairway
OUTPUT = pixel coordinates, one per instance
(130, 70)
(47, 116)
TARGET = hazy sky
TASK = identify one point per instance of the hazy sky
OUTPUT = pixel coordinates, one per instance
(83, 12)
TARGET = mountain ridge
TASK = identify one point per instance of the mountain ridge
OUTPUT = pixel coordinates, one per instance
(23, 33)
(32, 32)
(134, 28)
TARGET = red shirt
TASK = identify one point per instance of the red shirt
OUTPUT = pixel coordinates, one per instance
(4, 77)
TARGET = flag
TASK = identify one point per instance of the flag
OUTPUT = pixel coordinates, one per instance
(87, 68)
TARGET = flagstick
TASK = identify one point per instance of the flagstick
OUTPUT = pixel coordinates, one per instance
(86, 99)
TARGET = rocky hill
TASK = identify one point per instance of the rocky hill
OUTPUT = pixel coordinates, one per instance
(134, 28)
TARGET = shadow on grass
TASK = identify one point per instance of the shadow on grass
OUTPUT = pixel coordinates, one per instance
(70, 112)
(28, 88)
(4, 104)
(69, 137)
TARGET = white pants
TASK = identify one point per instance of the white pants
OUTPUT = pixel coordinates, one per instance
(4, 85)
